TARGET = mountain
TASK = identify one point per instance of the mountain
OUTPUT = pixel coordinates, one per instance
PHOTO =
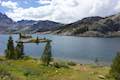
(88, 27)
(93, 26)
(23, 26)
(30, 26)
(26, 22)
(7, 25)
(46, 25)
(5, 22)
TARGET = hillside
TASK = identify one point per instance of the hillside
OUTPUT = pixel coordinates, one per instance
(7, 25)
(93, 26)
(5, 22)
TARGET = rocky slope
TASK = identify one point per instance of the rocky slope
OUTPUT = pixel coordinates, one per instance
(88, 27)
(93, 26)
(7, 25)
(5, 22)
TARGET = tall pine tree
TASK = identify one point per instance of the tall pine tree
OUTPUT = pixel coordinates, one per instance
(20, 35)
(19, 50)
(37, 40)
(10, 49)
(47, 54)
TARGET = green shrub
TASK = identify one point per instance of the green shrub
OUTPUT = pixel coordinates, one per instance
(115, 67)
(47, 54)
(60, 64)
(71, 63)
(27, 58)
(4, 73)
(29, 72)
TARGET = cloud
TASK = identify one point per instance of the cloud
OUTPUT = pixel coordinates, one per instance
(117, 8)
(44, 1)
(65, 11)
(31, 13)
(0, 2)
(9, 4)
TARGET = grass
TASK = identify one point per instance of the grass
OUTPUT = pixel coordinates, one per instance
(31, 69)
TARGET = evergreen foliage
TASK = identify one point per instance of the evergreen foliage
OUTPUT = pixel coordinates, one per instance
(37, 40)
(47, 54)
(14, 53)
(20, 35)
(19, 50)
(10, 49)
(115, 67)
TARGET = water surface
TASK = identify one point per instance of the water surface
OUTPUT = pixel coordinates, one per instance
(80, 49)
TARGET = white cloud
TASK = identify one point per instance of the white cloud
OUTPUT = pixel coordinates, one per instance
(117, 8)
(65, 11)
(0, 2)
(30, 13)
(44, 1)
(9, 4)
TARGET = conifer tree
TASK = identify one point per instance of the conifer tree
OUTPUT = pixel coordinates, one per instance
(47, 54)
(19, 50)
(10, 49)
(37, 40)
(115, 67)
(20, 35)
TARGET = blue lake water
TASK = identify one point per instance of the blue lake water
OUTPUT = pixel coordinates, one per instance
(79, 49)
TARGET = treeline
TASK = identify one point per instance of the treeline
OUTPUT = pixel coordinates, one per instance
(12, 52)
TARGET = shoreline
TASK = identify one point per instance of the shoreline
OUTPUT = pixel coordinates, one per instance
(44, 33)
(78, 62)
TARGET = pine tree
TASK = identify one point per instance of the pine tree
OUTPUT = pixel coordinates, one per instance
(47, 54)
(19, 50)
(115, 67)
(96, 61)
(10, 49)
(37, 40)
(20, 35)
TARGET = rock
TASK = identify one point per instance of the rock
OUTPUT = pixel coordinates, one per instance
(101, 76)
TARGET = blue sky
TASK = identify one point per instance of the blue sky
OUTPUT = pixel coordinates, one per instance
(22, 3)
(65, 11)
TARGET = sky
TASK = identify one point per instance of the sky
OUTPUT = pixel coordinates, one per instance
(64, 11)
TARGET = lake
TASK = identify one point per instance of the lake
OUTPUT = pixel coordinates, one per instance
(79, 49)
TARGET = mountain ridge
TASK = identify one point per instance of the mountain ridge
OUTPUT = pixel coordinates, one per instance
(93, 27)
(7, 25)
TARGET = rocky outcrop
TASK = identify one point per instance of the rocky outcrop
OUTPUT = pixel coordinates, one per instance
(93, 27)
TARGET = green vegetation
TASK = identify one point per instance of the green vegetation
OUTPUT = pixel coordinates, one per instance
(19, 50)
(47, 55)
(16, 66)
(37, 40)
(20, 35)
(33, 69)
(115, 68)
(14, 53)
(10, 54)
(71, 63)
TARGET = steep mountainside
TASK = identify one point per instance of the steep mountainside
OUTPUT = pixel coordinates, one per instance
(93, 26)
(29, 26)
(46, 25)
(5, 22)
